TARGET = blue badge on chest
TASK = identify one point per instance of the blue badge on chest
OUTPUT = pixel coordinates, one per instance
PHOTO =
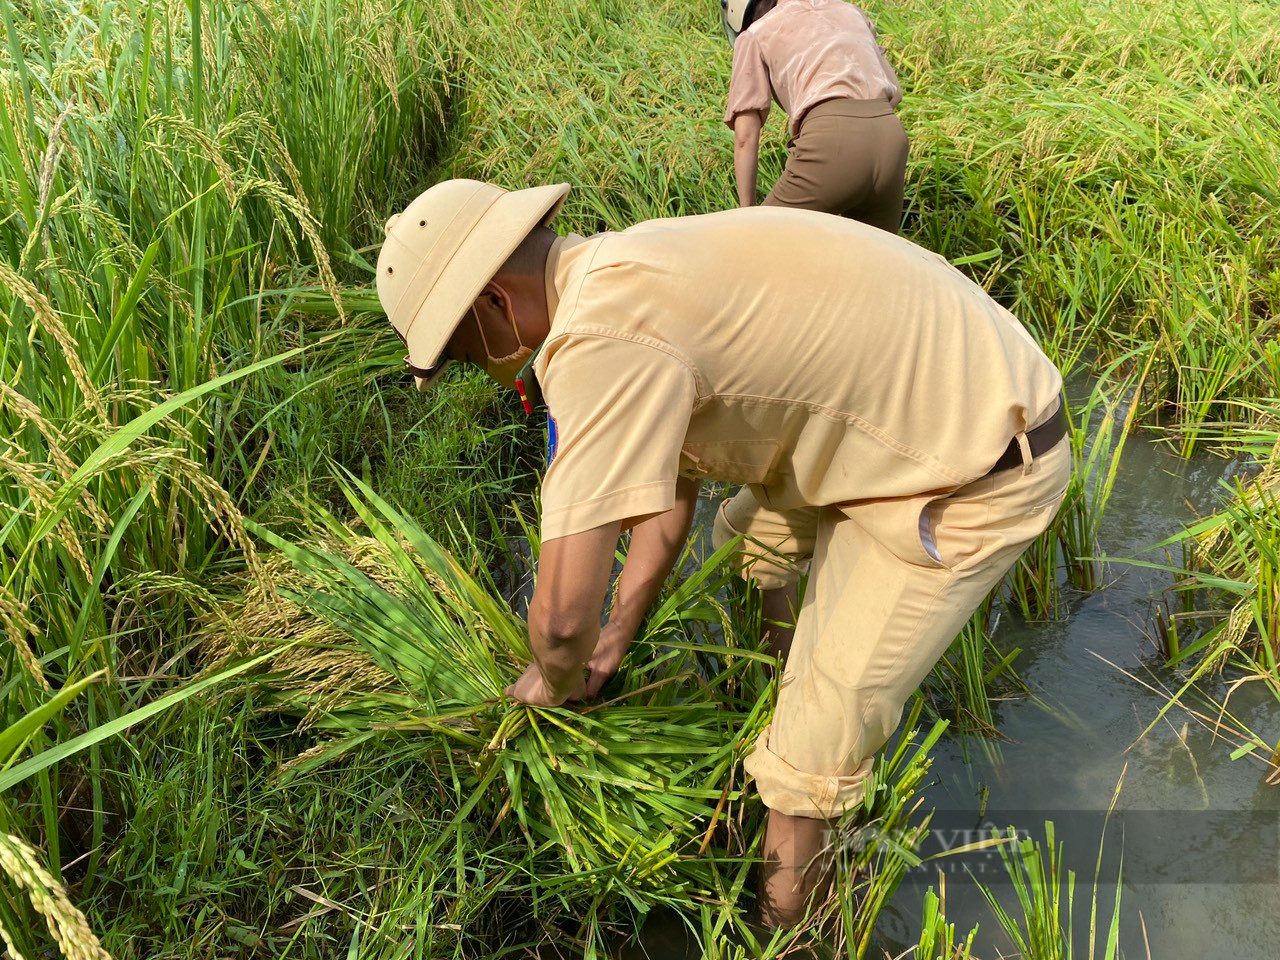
(553, 438)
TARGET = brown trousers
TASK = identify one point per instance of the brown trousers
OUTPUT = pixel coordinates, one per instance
(850, 159)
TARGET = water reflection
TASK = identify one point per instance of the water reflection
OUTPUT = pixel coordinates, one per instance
(1198, 830)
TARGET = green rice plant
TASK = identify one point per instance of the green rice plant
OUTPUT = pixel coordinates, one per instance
(1048, 927)
(1234, 552)
(571, 817)
(876, 866)
(1223, 593)
(937, 937)
(1046, 900)
(1219, 354)
(973, 675)
(1105, 423)
(55, 617)
(1120, 173)
(1233, 555)
(1213, 710)
(154, 220)
(623, 103)
(157, 256)
(23, 877)
(1037, 882)
(358, 93)
(611, 801)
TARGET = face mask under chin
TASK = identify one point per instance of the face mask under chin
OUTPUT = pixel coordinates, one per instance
(506, 369)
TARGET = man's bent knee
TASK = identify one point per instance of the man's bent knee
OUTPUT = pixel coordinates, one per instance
(774, 552)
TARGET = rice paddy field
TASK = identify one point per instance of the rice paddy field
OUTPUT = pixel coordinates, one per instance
(259, 598)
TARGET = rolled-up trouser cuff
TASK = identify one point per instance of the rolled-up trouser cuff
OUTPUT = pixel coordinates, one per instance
(798, 794)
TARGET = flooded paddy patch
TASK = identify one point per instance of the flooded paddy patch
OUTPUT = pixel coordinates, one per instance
(1201, 854)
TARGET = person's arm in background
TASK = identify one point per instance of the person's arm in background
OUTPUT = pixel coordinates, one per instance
(746, 155)
(656, 543)
(750, 99)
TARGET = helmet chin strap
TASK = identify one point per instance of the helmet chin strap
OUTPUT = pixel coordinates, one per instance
(497, 367)
(425, 373)
(422, 373)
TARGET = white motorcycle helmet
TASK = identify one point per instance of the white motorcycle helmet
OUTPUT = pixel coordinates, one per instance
(737, 15)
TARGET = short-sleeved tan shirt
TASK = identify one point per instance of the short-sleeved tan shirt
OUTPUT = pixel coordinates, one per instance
(818, 359)
(806, 51)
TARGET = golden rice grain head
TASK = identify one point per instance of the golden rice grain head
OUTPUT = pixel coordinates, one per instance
(63, 466)
(18, 626)
(68, 926)
(279, 199)
(183, 129)
(48, 318)
(259, 126)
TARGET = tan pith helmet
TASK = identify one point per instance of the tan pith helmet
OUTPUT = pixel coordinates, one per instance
(441, 251)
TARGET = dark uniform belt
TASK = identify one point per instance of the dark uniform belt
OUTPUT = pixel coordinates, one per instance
(1041, 440)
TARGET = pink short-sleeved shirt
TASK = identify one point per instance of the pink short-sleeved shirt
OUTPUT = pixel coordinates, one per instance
(803, 52)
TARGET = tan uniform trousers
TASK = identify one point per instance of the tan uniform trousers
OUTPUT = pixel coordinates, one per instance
(882, 606)
(850, 159)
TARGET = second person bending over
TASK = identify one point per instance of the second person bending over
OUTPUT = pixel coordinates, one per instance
(822, 63)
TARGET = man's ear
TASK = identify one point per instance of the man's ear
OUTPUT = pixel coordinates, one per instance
(495, 311)
(496, 300)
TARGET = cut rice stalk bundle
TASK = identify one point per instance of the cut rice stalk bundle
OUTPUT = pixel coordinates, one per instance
(587, 813)
(621, 793)
(593, 810)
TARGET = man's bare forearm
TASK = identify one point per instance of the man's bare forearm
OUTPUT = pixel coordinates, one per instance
(562, 660)
(564, 615)
(573, 578)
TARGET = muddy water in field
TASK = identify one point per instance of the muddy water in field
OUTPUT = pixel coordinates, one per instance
(1195, 834)
(1197, 831)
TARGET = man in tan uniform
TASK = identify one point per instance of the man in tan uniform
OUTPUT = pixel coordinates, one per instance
(894, 429)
